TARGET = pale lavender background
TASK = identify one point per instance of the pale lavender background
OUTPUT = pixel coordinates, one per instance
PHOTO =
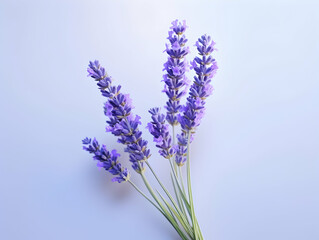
(255, 157)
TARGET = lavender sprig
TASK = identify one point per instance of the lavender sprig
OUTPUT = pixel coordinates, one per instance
(205, 67)
(121, 121)
(106, 159)
(175, 67)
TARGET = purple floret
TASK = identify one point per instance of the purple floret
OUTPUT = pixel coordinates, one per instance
(96, 71)
(178, 27)
(86, 141)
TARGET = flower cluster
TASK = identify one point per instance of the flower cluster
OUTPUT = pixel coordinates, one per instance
(106, 159)
(175, 67)
(159, 129)
(121, 121)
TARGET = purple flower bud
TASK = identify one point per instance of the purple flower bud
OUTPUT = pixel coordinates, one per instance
(178, 27)
(91, 148)
(86, 141)
(96, 71)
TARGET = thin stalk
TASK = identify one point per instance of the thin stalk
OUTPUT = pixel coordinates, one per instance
(190, 189)
(189, 211)
(167, 214)
(176, 182)
(160, 183)
(140, 191)
(174, 163)
(174, 170)
(182, 183)
(178, 193)
(187, 228)
(180, 215)
(179, 201)
(181, 178)
(183, 200)
(182, 194)
(198, 230)
(177, 173)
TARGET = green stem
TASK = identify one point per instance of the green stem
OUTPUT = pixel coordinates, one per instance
(182, 194)
(176, 173)
(183, 188)
(181, 216)
(187, 228)
(176, 184)
(190, 189)
(181, 179)
(179, 201)
(166, 213)
(140, 191)
(174, 163)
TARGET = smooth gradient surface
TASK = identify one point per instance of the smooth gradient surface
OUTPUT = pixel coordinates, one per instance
(255, 159)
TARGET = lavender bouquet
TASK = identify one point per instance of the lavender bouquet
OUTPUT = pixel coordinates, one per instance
(173, 130)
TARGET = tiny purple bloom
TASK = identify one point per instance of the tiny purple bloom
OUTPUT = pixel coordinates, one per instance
(86, 141)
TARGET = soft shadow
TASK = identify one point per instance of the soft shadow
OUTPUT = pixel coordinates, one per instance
(123, 193)
(101, 181)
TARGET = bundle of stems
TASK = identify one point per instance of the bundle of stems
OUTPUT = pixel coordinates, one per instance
(178, 210)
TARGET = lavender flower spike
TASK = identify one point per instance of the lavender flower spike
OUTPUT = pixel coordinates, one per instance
(175, 67)
(121, 121)
(205, 68)
(106, 159)
(159, 129)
